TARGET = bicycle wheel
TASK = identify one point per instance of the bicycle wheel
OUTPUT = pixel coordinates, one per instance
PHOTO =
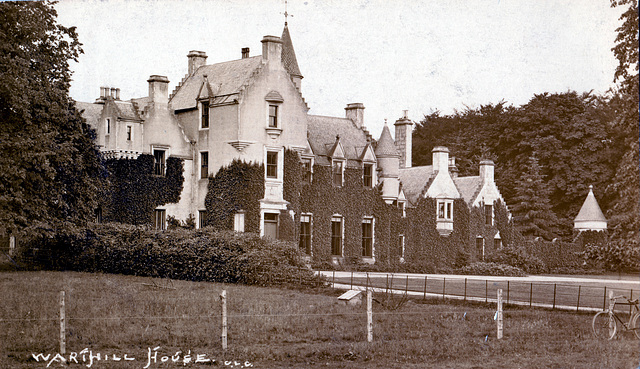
(604, 325)
(635, 325)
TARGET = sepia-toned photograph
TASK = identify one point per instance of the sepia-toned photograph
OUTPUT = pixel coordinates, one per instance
(319, 184)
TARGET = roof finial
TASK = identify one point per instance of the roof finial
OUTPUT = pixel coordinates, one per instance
(286, 14)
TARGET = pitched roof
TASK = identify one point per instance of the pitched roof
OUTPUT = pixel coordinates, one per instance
(90, 111)
(590, 210)
(322, 133)
(414, 180)
(227, 78)
(386, 146)
(288, 54)
(469, 187)
(126, 110)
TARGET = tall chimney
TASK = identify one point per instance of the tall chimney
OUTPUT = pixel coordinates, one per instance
(404, 130)
(272, 50)
(196, 60)
(487, 171)
(355, 112)
(159, 89)
(245, 52)
(117, 94)
(440, 158)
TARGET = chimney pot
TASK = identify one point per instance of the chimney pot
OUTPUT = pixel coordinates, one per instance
(245, 52)
(113, 92)
(271, 48)
(117, 94)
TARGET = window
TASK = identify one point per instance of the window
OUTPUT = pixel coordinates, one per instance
(305, 233)
(480, 247)
(159, 164)
(160, 219)
(488, 214)
(98, 214)
(205, 114)
(338, 170)
(129, 133)
(403, 208)
(238, 221)
(336, 235)
(401, 247)
(202, 218)
(367, 177)
(272, 164)
(108, 125)
(367, 237)
(271, 225)
(307, 170)
(204, 165)
(273, 116)
(497, 242)
(445, 210)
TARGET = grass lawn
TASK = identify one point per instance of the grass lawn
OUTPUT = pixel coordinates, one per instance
(276, 328)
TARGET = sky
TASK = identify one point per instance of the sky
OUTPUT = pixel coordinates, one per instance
(390, 55)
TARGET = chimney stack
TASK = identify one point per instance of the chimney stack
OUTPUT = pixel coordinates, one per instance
(159, 89)
(245, 52)
(487, 171)
(404, 130)
(440, 158)
(196, 60)
(272, 50)
(355, 112)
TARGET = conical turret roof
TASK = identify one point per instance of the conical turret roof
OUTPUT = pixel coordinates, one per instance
(288, 54)
(386, 146)
(590, 210)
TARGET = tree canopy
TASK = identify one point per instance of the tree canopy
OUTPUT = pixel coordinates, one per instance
(51, 173)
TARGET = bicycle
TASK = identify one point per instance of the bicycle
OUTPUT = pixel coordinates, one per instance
(605, 323)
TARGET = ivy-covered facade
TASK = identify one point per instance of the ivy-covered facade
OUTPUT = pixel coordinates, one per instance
(251, 158)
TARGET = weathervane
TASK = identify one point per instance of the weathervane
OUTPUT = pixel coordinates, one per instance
(286, 14)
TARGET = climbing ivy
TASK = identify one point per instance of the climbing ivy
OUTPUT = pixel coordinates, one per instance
(134, 191)
(238, 186)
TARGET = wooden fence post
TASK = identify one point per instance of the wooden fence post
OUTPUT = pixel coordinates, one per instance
(406, 285)
(578, 303)
(486, 290)
(333, 283)
(62, 325)
(554, 296)
(425, 288)
(465, 289)
(499, 314)
(612, 322)
(223, 299)
(369, 316)
(530, 294)
(604, 299)
(444, 284)
(352, 279)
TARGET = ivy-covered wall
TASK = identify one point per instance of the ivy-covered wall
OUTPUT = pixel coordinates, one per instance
(238, 186)
(134, 191)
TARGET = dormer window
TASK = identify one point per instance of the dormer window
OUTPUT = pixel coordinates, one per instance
(488, 214)
(403, 208)
(204, 121)
(108, 125)
(367, 175)
(307, 170)
(273, 116)
(159, 163)
(338, 172)
(444, 216)
(129, 133)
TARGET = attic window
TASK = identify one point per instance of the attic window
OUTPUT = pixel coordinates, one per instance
(273, 116)
(108, 125)
(205, 114)
(488, 214)
(338, 172)
(367, 175)
(444, 216)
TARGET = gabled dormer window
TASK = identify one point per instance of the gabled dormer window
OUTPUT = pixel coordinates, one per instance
(307, 170)
(367, 175)
(108, 126)
(338, 172)
(159, 163)
(444, 216)
(204, 119)
(274, 125)
(273, 116)
(488, 214)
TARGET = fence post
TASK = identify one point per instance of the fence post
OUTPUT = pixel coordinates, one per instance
(367, 280)
(499, 314)
(387, 283)
(630, 298)
(530, 294)
(578, 303)
(465, 289)
(612, 322)
(391, 282)
(507, 292)
(352, 279)
(333, 284)
(486, 290)
(406, 286)
(554, 296)
(444, 284)
(62, 325)
(604, 299)
(369, 317)
(424, 297)
(223, 299)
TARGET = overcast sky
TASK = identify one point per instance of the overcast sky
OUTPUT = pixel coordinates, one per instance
(390, 55)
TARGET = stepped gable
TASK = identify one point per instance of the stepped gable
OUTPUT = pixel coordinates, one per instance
(322, 133)
(590, 210)
(90, 112)
(414, 181)
(289, 55)
(469, 187)
(226, 78)
(386, 147)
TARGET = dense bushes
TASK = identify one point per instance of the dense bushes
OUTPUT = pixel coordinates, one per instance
(493, 269)
(519, 258)
(196, 255)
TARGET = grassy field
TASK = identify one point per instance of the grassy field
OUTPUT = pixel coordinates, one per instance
(276, 328)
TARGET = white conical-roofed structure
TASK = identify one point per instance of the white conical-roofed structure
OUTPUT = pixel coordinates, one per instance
(590, 217)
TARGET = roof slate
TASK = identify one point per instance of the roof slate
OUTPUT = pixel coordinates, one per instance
(126, 110)
(227, 78)
(590, 210)
(469, 187)
(322, 133)
(90, 111)
(288, 54)
(414, 180)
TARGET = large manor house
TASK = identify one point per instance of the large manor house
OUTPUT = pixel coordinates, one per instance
(361, 196)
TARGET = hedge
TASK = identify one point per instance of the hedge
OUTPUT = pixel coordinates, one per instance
(195, 255)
